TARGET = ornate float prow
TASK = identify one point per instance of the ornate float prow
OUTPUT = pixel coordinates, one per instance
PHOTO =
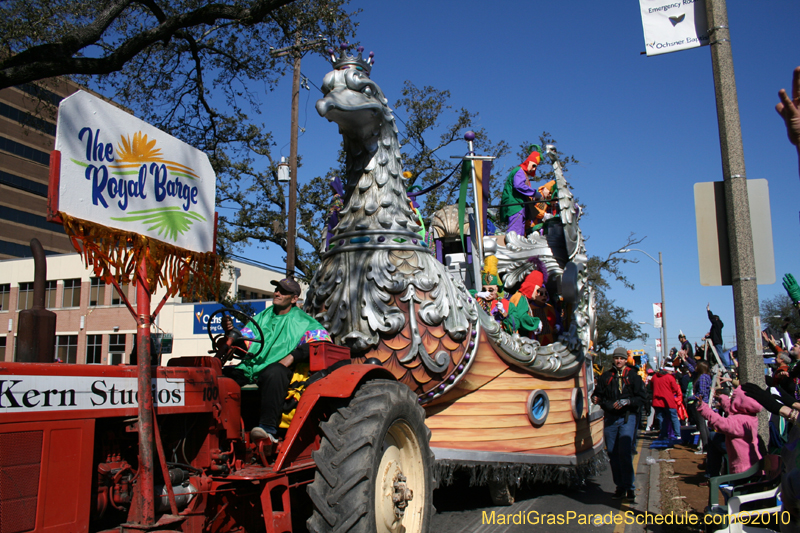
(381, 291)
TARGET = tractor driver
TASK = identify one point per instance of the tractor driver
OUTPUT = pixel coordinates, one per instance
(287, 330)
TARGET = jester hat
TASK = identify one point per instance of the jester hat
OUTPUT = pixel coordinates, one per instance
(535, 279)
(489, 275)
(535, 157)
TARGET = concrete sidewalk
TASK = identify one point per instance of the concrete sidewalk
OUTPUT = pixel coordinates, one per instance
(679, 472)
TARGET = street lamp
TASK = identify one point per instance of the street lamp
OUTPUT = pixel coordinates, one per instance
(663, 304)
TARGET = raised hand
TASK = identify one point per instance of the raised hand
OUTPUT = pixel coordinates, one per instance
(792, 288)
(790, 109)
(767, 400)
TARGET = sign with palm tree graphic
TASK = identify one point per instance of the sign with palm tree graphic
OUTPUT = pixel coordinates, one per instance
(120, 172)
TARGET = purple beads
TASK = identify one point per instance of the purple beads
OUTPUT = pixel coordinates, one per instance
(381, 238)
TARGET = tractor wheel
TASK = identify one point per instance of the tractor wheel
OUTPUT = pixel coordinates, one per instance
(374, 465)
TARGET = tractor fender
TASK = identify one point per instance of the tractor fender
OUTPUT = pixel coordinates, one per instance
(341, 383)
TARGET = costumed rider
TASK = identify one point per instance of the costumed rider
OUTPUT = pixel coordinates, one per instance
(288, 331)
(489, 298)
(544, 211)
(517, 191)
(532, 301)
(520, 318)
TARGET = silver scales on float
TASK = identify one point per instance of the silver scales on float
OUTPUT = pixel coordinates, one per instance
(502, 405)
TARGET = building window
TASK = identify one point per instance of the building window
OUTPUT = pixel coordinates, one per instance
(72, 293)
(5, 295)
(67, 349)
(116, 349)
(3, 348)
(116, 299)
(97, 292)
(25, 296)
(94, 349)
(50, 294)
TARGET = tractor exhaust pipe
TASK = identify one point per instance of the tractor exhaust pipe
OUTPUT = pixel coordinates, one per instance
(36, 327)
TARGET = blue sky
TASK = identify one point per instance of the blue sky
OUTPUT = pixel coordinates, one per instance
(643, 128)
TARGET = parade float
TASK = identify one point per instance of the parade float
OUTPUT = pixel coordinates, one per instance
(502, 407)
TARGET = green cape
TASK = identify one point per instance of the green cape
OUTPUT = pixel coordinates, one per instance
(282, 334)
(511, 196)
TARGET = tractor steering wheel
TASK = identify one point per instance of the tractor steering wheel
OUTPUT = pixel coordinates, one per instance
(222, 346)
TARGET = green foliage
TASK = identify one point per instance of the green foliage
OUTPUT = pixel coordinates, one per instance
(774, 310)
(431, 132)
(196, 70)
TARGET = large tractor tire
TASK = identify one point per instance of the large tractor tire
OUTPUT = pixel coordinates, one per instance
(374, 465)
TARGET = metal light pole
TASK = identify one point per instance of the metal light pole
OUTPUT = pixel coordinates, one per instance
(663, 303)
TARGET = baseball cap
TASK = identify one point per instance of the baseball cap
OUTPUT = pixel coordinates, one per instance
(288, 285)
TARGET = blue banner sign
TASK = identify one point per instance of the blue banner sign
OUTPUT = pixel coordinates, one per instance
(202, 312)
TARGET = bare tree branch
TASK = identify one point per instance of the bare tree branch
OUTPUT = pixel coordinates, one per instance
(64, 56)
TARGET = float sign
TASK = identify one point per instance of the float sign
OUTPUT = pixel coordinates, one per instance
(670, 26)
(121, 172)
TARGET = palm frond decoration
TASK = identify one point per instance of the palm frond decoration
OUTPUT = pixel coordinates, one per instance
(169, 221)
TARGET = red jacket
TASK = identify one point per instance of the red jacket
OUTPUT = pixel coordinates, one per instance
(664, 390)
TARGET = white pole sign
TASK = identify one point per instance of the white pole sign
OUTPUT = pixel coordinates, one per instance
(121, 172)
(673, 25)
(657, 315)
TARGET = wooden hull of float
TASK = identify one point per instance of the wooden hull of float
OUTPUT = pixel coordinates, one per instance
(484, 417)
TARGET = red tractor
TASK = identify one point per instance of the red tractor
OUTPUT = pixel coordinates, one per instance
(354, 458)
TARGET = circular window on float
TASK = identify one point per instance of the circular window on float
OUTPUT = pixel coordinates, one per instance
(538, 407)
(578, 403)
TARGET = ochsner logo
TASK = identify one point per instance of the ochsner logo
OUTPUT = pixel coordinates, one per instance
(70, 393)
(135, 171)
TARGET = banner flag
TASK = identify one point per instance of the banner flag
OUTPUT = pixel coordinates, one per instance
(673, 25)
(657, 315)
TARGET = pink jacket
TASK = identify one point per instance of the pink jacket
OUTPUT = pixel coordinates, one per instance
(740, 428)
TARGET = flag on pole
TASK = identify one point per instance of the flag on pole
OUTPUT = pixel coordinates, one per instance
(657, 315)
(670, 26)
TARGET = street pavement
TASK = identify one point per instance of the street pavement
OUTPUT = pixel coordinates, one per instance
(463, 508)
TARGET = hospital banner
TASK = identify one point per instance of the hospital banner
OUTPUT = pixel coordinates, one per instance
(673, 25)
